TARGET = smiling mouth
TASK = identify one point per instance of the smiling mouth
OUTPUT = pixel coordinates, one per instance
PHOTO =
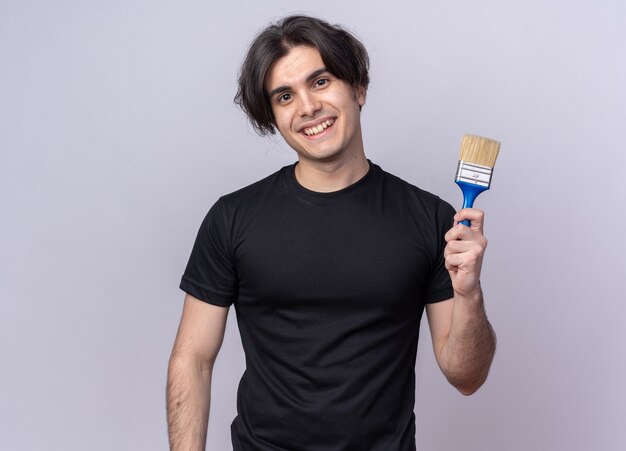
(312, 131)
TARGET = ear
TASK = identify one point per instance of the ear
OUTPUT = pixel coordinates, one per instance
(360, 93)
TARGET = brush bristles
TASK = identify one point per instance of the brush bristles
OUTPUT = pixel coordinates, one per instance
(479, 150)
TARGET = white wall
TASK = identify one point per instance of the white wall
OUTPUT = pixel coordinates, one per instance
(117, 132)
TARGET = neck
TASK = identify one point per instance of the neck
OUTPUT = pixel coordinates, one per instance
(326, 177)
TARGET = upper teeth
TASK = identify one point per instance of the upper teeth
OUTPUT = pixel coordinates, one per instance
(318, 129)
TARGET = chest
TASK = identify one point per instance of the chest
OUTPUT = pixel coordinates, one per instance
(341, 256)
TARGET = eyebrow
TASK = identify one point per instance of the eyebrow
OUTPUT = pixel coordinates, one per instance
(313, 75)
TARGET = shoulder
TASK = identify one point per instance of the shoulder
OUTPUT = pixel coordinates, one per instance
(253, 193)
(239, 206)
(407, 194)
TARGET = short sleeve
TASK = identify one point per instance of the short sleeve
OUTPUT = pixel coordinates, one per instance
(439, 285)
(210, 274)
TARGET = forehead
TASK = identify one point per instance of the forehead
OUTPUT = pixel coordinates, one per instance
(294, 67)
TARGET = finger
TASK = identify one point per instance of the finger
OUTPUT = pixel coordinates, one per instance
(459, 247)
(454, 262)
(475, 216)
(471, 252)
(460, 232)
(469, 262)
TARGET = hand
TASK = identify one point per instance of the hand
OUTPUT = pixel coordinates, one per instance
(464, 252)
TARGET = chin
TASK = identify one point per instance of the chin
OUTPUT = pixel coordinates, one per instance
(323, 156)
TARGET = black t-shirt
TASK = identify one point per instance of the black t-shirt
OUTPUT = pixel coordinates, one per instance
(329, 290)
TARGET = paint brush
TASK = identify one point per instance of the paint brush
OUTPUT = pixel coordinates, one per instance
(473, 175)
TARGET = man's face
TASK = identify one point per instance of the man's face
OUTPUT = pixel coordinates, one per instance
(317, 114)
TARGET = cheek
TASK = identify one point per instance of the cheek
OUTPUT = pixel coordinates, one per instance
(282, 121)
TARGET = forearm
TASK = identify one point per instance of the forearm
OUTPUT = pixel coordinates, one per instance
(188, 403)
(466, 355)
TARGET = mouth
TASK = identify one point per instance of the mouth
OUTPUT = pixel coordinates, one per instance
(319, 128)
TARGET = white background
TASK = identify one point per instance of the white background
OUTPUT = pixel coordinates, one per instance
(118, 132)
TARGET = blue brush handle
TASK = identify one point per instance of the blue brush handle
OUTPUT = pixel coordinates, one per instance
(470, 193)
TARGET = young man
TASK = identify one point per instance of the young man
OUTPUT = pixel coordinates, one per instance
(329, 263)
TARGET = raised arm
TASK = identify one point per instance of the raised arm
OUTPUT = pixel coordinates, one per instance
(463, 339)
(199, 338)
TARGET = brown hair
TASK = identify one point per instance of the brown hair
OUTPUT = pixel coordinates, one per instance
(342, 53)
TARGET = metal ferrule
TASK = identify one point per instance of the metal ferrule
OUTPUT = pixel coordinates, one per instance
(473, 174)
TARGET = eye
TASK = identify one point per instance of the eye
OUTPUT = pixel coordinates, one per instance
(321, 82)
(284, 98)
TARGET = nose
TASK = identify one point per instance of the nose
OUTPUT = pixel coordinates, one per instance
(309, 104)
